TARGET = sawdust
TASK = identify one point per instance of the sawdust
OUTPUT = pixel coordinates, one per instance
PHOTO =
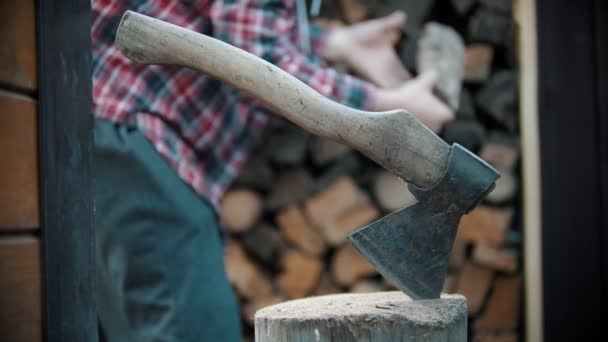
(371, 309)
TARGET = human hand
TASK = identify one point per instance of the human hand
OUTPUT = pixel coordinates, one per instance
(368, 49)
(416, 96)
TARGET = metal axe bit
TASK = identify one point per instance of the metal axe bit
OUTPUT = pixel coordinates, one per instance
(411, 246)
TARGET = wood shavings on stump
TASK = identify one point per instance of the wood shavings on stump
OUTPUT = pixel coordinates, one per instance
(379, 316)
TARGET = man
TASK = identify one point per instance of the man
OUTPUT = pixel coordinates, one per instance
(169, 141)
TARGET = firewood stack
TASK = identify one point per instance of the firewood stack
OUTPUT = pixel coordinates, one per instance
(288, 215)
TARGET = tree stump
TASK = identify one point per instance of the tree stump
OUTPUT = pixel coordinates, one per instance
(379, 316)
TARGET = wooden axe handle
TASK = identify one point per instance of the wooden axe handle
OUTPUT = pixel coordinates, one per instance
(394, 139)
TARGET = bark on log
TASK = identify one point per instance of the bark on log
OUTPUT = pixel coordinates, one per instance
(380, 316)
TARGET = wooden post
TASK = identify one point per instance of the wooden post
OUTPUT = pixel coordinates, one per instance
(379, 316)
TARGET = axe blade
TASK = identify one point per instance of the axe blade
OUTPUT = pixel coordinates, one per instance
(411, 247)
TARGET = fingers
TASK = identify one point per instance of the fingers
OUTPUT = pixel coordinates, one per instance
(392, 21)
(427, 79)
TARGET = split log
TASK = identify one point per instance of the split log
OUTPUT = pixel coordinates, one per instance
(502, 311)
(474, 282)
(326, 286)
(367, 286)
(449, 284)
(256, 304)
(324, 150)
(458, 253)
(468, 133)
(290, 188)
(339, 228)
(478, 62)
(330, 10)
(498, 98)
(417, 12)
(240, 210)
(505, 189)
(256, 174)
(504, 260)
(264, 242)
(348, 163)
(491, 26)
(506, 337)
(388, 284)
(348, 266)
(297, 229)
(383, 316)
(486, 225)
(505, 6)
(247, 278)
(391, 192)
(499, 152)
(409, 50)
(354, 10)
(300, 275)
(440, 48)
(287, 145)
(463, 6)
(340, 210)
(336, 199)
(466, 106)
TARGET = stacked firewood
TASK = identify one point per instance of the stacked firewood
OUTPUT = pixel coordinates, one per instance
(300, 196)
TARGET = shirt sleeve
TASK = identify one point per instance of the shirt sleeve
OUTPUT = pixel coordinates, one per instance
(268, 29)
(318, 38)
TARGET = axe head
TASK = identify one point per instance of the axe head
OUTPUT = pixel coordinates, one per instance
(411, 247)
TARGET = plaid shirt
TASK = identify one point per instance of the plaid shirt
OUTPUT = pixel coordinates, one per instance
(204, 128)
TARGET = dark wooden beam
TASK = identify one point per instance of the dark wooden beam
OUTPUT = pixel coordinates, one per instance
(572, 113)
(65, 145)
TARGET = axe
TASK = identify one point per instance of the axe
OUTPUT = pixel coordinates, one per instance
(410, 247)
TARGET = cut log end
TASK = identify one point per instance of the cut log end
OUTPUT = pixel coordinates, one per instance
(370, 316)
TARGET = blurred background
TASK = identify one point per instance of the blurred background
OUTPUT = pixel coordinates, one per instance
(300, 196)
(532, 102)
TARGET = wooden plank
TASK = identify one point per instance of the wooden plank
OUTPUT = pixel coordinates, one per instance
(66, 143)
(18, 43)
(19, 171)
(20, 294)
(525, 15)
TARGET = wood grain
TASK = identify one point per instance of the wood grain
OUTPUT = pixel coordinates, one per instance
(20, 290)
(18, 43)
(19, 171)
(394, 139)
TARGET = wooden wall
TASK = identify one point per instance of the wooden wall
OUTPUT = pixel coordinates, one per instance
(20, 275)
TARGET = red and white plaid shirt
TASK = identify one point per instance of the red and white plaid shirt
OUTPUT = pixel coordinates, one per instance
(204, 128)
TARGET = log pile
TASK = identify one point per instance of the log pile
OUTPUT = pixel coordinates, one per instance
(289, 213)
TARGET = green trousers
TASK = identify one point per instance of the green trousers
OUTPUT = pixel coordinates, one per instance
(160, 271)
